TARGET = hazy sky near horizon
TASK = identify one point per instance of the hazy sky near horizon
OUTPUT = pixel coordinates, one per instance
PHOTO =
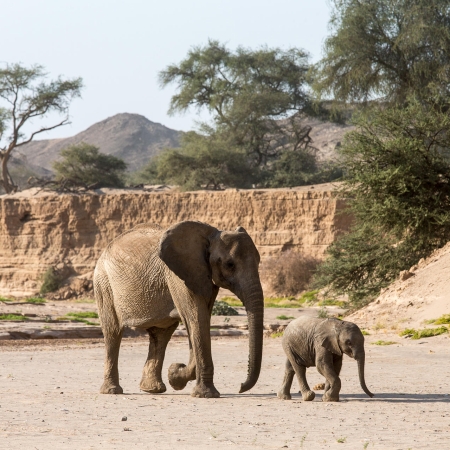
(118, 47)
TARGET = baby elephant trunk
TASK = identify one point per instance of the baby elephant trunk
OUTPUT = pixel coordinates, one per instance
(361, 361)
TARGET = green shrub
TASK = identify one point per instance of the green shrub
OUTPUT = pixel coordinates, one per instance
(4, 299)
(383, 343)
(288, 273)
(223, 309)
(397, 188)
(283, 317)
(51, 281)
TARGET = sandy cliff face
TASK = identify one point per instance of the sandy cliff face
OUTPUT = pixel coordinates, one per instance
(42, 230)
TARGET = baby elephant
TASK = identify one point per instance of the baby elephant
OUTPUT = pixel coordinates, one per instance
(321, 342)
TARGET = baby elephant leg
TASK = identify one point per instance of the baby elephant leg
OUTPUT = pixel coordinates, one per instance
(285, 390)
(307, 394)
(333, 385)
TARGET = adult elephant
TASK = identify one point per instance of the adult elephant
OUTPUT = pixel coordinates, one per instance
(150, 278)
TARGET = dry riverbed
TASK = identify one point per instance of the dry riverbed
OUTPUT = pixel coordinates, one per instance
(49, 399)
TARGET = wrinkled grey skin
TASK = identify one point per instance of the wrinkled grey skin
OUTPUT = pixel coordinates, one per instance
(321, 342)
(151, 279)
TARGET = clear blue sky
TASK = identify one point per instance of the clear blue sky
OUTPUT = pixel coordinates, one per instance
(118, 47)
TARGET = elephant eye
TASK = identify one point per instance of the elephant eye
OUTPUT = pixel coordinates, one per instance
(349, 343)
(230, 265)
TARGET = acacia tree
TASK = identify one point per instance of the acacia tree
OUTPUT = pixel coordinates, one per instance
(387, 49)
(247, 93)
(25, 96)
(84, 164)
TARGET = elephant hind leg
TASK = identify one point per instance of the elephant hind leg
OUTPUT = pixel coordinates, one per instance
(151, 377)
(111, 383)
(284, 393)
(300, 370)
(112, 332)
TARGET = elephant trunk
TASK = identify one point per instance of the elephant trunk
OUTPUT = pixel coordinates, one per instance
(253, 300)
(361, 362)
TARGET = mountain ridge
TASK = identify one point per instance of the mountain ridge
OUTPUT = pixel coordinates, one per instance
(132, 137)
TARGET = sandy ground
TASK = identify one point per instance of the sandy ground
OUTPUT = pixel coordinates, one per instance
(49, 399)
(423, 294)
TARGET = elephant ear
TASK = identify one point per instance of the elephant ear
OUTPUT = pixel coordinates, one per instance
(328, 337)
(241, 230)
(184, 249)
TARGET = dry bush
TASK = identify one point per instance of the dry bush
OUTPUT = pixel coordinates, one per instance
(287, 274)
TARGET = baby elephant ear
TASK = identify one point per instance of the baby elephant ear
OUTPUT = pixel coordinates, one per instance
(330, 342)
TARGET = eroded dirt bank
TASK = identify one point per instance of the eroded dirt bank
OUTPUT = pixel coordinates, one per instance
(38, 229)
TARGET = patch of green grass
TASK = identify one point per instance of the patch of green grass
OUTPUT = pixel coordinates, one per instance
(309, 297)
(365, 333)
(331, 302)
(282, 302)
(85, 300)
(341, 440)
(383, 343)
(277, 334)
(444, 319)
(81, 317)
(35, 300)
(283, 317)
(5, 299)
(232, 301)
(84, 315)
(425, 333)
(14, 317)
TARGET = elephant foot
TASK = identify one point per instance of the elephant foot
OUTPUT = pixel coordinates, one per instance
(177, 376)
(283, 395)
(308, 396)
(152, 386)
(110, 388)
(204, 390)
(329, 398)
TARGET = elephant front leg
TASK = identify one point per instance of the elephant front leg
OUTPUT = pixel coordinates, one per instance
(180, 374)
(151, 377)
(333, 382)
(198, 323)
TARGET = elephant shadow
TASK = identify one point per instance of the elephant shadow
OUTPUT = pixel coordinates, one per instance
(399, 397)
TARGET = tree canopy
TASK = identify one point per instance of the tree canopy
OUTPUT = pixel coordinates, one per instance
(247, 92)
(202, 162)
(24, 96)
(398, 187)
(84, 164)
(388, 50)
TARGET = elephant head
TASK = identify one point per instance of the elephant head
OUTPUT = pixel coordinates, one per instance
(340, 337)
(206, 259)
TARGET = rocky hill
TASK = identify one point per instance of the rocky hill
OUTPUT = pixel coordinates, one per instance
(131, 137)
(136, 139)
